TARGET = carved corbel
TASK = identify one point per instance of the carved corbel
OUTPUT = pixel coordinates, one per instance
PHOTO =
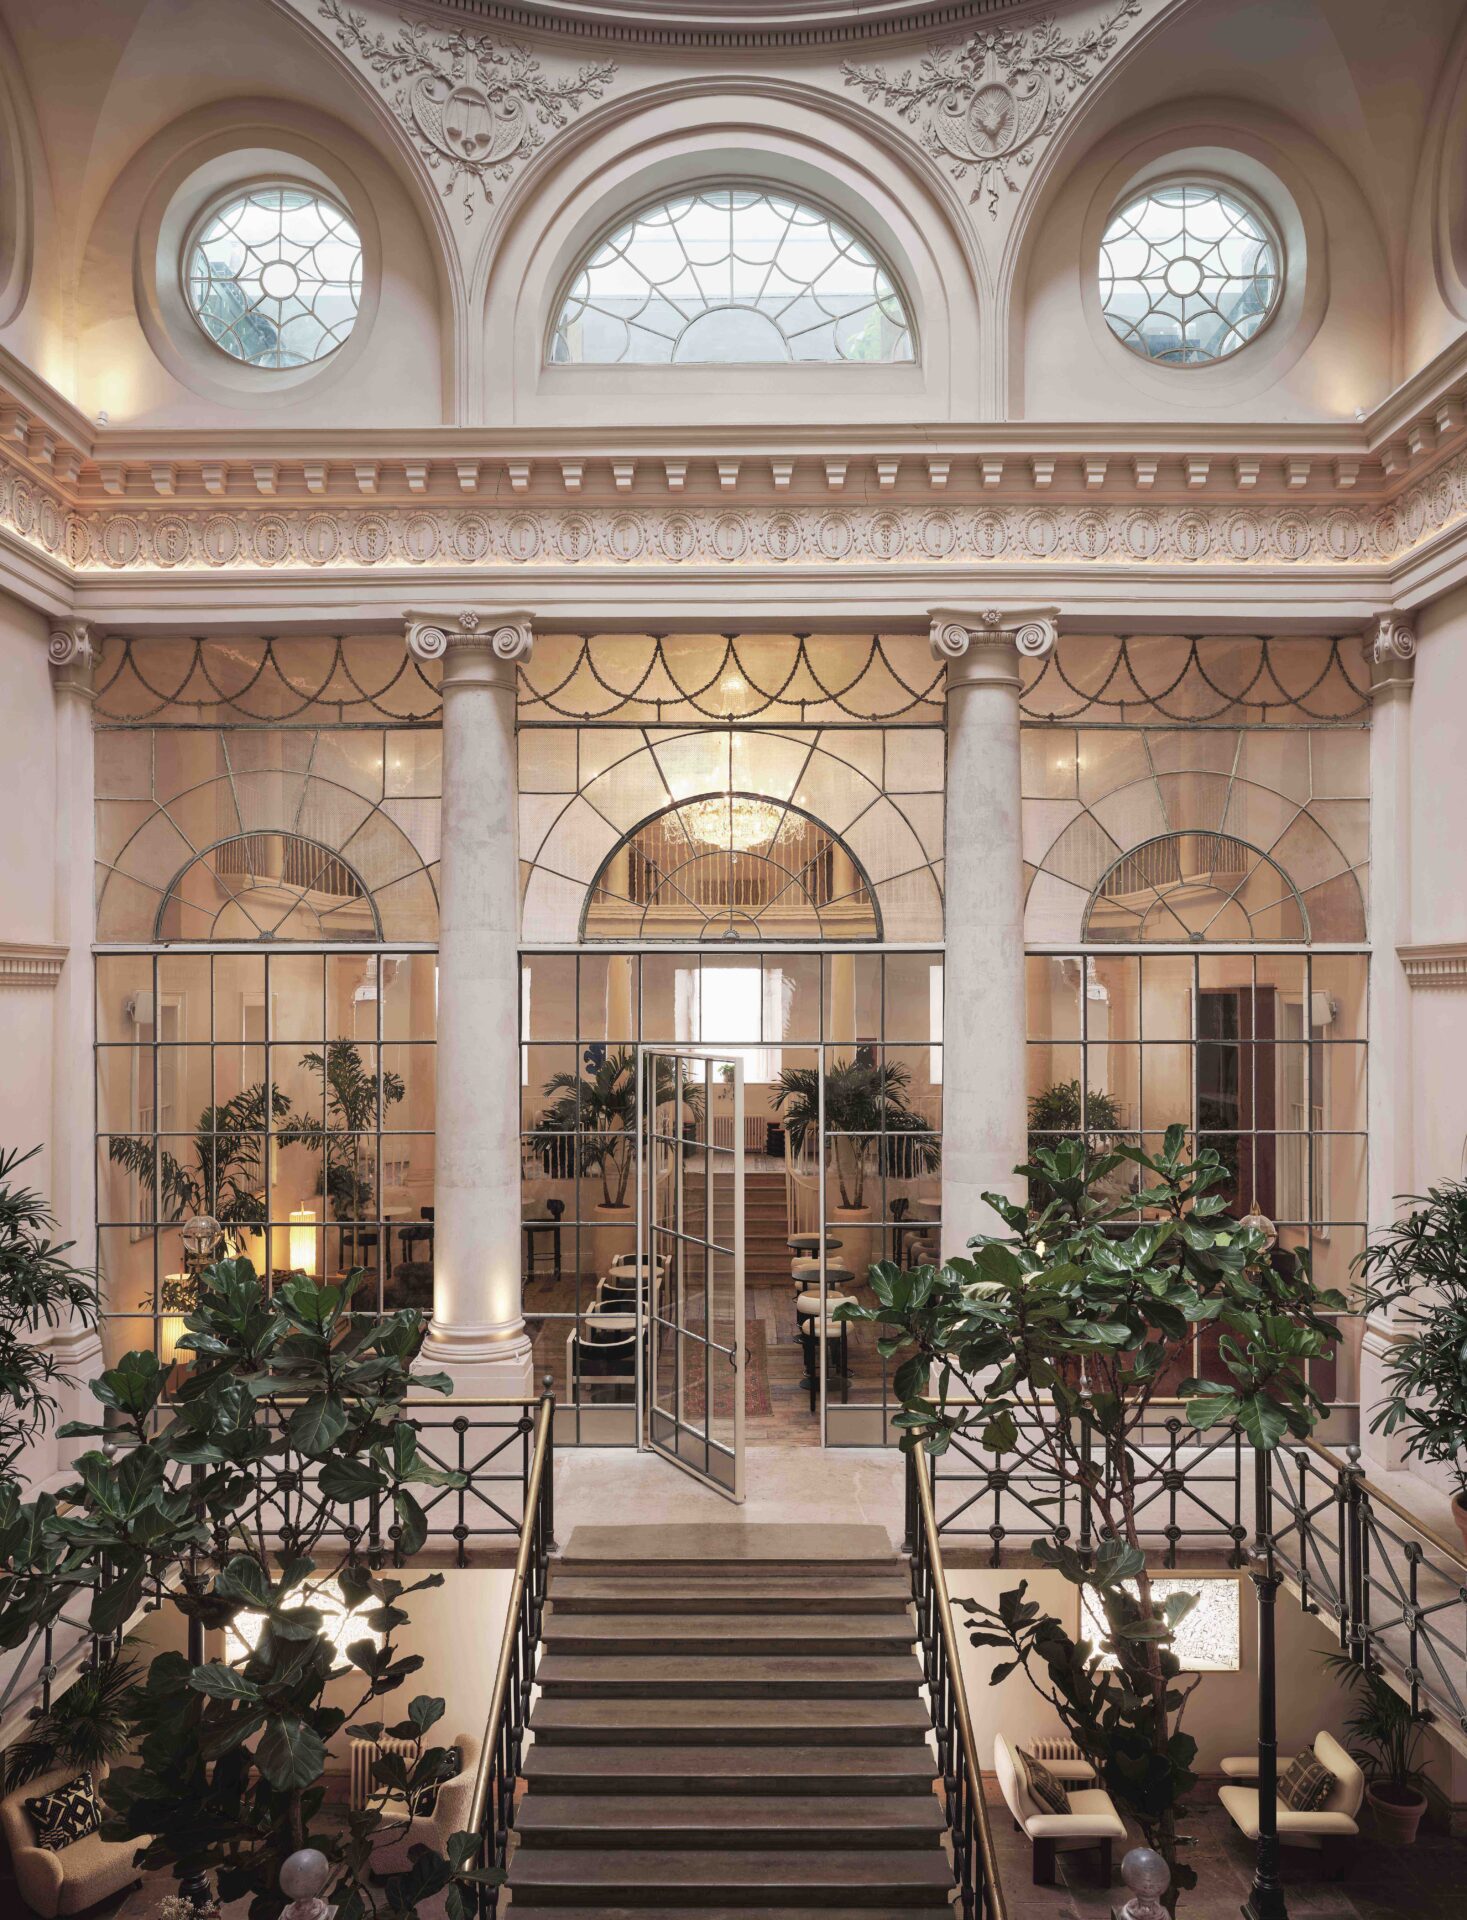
(1390, 649)
(431, 636)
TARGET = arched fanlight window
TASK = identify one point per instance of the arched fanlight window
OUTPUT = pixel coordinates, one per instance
(731, 866)
(729, 275)
(1196, 886)
(269, 886)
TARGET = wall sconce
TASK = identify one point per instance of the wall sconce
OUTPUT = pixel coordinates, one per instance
(303, 1241)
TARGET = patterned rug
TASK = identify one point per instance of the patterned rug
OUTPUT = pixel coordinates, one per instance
(756, 1381)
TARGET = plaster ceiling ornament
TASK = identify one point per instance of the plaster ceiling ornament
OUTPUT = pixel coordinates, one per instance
(474, 106)
(984, 102)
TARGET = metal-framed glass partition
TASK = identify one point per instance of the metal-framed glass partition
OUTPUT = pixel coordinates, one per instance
(687, 1280)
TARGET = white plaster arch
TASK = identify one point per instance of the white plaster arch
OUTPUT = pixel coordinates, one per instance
(1328, 348)
(143, 356)
(1443, 178)
(20, 156)
(626, 152)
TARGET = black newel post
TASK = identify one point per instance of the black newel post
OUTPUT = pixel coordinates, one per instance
(1266, 1896)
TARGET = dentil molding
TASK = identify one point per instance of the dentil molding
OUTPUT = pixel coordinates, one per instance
(1441, 966)
(22, 965)
(175, 537)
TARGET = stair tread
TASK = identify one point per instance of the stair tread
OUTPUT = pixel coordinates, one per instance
(679, 1586)
(720, 1543)
(898, 1867)
(603, 1912)
(895, 1626)
(622, 1813)
(850, 1716)
(912, 1761)
(703, 1669)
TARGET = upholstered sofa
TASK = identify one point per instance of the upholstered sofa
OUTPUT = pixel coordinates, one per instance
(450, 1815)
(72, 1878)
(1327, 1829)
(1091, 1822)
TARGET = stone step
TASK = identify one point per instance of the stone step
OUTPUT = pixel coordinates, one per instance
(722, 1544)
(564, 1767)
(708, 1676)
(886, 1879)
(731, 1913)
(755, 1633)
(728, 1820)
(690, 1593)
(752, 1722)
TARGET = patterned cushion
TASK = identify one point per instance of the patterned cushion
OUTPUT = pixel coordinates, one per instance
(425, 1800)
(65, 1814)
(1043, 1785)
(1306, 1785)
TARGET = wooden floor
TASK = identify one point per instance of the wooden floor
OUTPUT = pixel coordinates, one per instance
(551, 1304)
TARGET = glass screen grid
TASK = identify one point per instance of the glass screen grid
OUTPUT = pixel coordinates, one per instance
(1321, 1162)
(341, 1176)
(886, 982)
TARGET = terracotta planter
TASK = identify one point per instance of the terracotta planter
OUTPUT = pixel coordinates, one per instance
(1459, 1514)
(1396, 1820)
(850, 1213)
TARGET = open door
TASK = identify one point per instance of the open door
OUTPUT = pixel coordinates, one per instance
(690, 1251)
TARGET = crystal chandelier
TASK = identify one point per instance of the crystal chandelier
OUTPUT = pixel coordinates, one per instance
(731, 822)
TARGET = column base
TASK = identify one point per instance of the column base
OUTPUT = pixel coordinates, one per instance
(485, 1363)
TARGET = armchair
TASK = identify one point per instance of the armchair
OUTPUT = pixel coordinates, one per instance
(1327, 1828)
(75, 1877)
(449, 1815)
(1091, 1822)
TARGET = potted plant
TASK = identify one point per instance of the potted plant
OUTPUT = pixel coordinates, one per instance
(346, 1175)
(38, 1287)
(1418, 1265)
(1058, 1110)
(868, 1121)
(1386, 1739)
(226, 1179)
(597, 1111)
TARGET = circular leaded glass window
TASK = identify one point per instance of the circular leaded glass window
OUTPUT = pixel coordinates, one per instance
(274, 276)
(1189, 272)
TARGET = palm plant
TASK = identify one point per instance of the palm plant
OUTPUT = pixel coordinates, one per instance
(1058, 1110)
(226, 1178)
(867, 1117)
(597, 1112)
(350, 1089)
(38, 1286)
(1386, 1737)
(84, 1728)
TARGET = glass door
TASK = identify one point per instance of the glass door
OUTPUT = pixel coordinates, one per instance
(690, 1261)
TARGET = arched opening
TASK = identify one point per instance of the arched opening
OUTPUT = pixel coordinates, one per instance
(1196, 886)
(269, 886)
(731, 866)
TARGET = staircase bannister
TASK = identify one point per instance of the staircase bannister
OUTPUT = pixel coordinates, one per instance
(975, 1867)
(492, 1809)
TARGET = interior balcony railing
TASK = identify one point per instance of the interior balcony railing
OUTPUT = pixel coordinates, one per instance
(1394, 1589)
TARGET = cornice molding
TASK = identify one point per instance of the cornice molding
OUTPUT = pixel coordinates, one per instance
(23, 965)
(1441, 966)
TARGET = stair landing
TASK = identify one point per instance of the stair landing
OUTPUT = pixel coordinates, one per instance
(719, 1733)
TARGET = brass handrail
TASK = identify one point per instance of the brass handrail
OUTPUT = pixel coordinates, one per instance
(544, 1421)
(997, 1906)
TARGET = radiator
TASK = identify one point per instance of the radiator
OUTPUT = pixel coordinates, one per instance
(1054, 1750)
(756, 1132)
(361, 1754)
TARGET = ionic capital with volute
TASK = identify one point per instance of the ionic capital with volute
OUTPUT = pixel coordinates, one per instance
(72, 651)
(988, 644)
(1390, 650)
(508, 637)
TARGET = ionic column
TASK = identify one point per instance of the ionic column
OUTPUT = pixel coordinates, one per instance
(478, 1331)
(73, 1176)
(1390, 650)
(984, 1079)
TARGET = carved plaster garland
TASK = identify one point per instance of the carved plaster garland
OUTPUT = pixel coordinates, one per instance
(983, 103)
(474, 106)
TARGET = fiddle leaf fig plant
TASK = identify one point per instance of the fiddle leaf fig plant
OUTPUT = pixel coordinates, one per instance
(1063, 1330)
(293, 1416)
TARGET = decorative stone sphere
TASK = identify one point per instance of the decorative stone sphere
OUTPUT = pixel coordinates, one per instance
(304, 1874)
(1144, 1871)
(200, 1237)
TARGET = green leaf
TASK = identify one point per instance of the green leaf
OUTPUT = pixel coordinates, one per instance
(1263, 1420)
(425, 1711)
(222, 1683)
(347, 1477)
(412, 1521)
(290, 1754)
(316, 1427)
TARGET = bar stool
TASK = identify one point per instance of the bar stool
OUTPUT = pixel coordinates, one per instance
(811, 1328)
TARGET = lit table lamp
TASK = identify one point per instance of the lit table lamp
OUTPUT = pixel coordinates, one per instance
(303, 1241)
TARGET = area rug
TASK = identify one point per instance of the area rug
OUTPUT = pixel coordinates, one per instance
(756, 1381)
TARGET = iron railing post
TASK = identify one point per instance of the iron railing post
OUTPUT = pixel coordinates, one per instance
(1266, 1897)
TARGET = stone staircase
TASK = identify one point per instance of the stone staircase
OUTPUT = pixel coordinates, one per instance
(729, 1722)
(766, 1222)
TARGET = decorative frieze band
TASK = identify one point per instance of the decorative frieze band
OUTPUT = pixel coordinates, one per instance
(1444, 965)
(230, 537)
(29, 966)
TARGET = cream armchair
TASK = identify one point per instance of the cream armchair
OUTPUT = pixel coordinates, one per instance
(72, 1878)
(450, 1815)
(1091, 1822)
(1327, 1829)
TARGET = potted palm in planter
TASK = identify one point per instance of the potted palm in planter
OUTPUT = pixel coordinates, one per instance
(870, 1125)
(597, 1110)
(1419, 1265)
(1386, 1738)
